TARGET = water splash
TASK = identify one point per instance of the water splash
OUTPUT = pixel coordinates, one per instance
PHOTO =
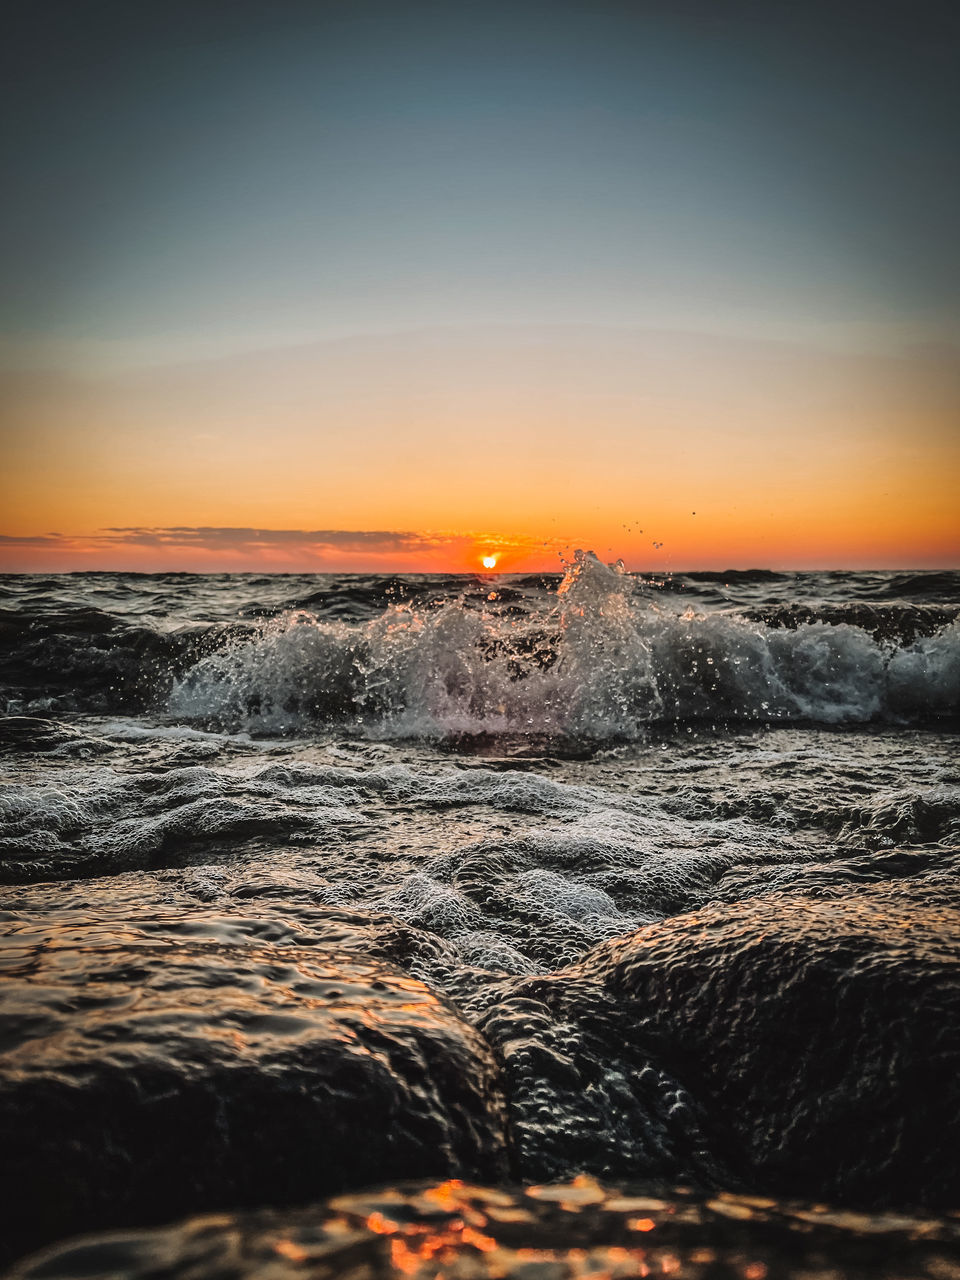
(601, 659)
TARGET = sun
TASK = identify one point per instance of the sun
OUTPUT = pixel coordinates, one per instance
(489, 562)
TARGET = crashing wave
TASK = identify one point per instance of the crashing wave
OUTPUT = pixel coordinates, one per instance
(598, 660)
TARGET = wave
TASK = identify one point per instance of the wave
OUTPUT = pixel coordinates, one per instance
(930, 586)
(598, 654)
(599, 660)
(898, 623)
(85, 658)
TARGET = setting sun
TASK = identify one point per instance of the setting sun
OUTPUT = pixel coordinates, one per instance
(489, 562)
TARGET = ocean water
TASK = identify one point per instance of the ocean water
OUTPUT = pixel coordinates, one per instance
(673, 862)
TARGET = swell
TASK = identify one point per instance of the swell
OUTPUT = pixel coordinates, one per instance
(898, 624)
(87, 659)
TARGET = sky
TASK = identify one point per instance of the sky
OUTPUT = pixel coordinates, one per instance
(362, 286)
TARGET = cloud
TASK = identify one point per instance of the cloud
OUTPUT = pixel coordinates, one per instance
(214, 538)
(212, 547)
(32, 540)
(220, 538)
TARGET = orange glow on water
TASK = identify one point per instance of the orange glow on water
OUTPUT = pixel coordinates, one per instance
(294, 1252)
(447, 1194)
(382, 1226)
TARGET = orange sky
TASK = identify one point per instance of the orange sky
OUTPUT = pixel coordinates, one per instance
(524, 441)
(330, 288)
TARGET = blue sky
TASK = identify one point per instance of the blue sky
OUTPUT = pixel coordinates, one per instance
(248, 174)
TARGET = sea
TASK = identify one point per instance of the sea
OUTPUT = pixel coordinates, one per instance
(669, 864)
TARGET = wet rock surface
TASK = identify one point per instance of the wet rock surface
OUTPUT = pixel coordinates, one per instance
(827, 1034)
(724, 963)
(166, 1065)
(161, 1055)
(803, 1045)
(559, 1232)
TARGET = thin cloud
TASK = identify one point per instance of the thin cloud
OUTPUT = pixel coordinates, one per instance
(216, 538)
(219, 538)
(221, 546)
(33, 540)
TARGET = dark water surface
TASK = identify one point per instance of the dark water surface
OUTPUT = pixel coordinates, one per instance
(311, 884)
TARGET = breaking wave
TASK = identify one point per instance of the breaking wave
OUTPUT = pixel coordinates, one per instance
(601, 659)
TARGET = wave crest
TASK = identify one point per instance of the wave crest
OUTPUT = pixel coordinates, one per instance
(599, 660)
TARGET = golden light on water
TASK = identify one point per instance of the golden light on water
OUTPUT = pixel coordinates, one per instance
(489, 562)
